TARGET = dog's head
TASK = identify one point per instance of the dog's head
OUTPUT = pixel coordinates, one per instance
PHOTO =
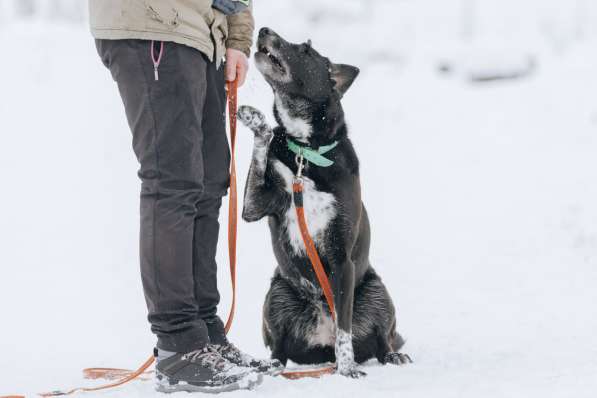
(297, 69)
(307, 87)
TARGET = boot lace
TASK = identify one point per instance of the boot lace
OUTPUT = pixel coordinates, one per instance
(208, 357)
(231, 353)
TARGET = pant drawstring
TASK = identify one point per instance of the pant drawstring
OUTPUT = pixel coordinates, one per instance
(156, 62)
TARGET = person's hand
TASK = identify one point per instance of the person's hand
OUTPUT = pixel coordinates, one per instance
(237, 66)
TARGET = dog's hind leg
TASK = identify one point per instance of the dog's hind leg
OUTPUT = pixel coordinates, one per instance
(374, 323)
(276, 344)
(296, 325)
(389, 345)
(274, 334)
(278, 310)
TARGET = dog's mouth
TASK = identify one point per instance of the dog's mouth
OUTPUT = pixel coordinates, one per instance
(273, 59)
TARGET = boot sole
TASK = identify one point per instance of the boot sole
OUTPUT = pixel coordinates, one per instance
(248, 383)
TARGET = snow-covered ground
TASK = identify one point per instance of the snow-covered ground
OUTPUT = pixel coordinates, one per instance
(483, 201)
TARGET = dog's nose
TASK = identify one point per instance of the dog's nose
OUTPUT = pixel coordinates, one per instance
(265, 32)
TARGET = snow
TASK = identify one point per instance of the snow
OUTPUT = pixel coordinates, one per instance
(482, 199)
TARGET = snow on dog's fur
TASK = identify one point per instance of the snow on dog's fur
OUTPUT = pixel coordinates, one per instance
(297, 323)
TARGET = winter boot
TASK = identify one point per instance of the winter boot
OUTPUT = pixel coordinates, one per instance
(204, 370)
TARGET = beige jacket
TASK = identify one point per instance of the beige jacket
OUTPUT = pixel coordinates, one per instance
(190, 22)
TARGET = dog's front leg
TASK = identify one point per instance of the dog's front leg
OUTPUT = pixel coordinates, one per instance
(257, 198)
(343, 281)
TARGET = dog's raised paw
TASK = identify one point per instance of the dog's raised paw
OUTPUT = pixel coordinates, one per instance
(252, 118)
(398, 358)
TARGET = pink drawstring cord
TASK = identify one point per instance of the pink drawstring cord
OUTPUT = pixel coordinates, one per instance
(156, 62)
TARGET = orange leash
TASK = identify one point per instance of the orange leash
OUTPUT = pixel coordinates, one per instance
(124, 376)
(297, 190)
(118, 383)
(233, 203)
(297, 194)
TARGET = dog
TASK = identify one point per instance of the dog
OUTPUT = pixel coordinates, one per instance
(297, 323)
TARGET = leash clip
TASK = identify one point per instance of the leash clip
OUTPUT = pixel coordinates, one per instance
(299, 159)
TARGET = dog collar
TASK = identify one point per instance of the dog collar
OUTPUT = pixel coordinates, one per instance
(312, 155)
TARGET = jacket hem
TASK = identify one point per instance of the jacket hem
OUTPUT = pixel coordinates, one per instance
(122, 34)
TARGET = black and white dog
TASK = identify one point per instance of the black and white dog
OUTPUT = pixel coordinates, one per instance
(297, 323)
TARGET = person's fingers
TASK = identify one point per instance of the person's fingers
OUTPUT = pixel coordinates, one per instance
(237, 66)
(242, 73)
(231, 66)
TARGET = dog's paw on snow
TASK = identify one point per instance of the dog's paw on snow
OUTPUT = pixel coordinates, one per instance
(351, 371)
(397, 358)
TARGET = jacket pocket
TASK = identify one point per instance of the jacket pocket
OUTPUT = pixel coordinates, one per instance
(162, 15)
(220, 27)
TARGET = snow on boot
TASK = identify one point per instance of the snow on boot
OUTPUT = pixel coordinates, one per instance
(229, 351)
(204, 370)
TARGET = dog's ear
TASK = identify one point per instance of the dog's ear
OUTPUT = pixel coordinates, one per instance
(343, 77)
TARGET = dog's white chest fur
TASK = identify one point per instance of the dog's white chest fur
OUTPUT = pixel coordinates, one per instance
(320, 209)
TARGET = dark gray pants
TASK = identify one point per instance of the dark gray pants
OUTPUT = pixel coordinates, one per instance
(179, 137)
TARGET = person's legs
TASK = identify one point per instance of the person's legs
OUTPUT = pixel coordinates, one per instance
(216, 158)
(166, 118)
(179, 137)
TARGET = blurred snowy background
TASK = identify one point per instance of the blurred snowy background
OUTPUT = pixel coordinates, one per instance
(476, 125)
